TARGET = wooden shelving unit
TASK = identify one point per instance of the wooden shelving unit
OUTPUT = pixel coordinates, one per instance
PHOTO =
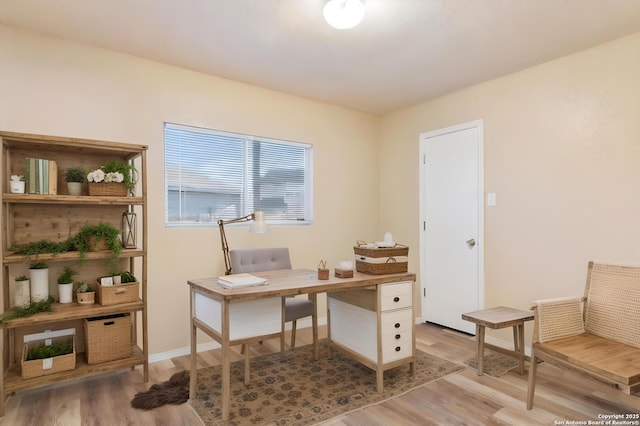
(32, 217)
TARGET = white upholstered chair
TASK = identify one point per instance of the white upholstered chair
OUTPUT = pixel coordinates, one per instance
(271, 259)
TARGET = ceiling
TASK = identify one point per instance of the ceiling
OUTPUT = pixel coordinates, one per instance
(404, 52)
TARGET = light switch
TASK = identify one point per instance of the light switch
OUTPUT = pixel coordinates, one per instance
(491, 199)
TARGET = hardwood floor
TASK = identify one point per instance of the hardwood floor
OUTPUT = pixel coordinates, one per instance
(462, 398)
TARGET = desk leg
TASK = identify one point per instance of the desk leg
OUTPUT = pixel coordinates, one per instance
(314, 325)
(480, 353)
(193, 373)
(226, 370)
(518, 338)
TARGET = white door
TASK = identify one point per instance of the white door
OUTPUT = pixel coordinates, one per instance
(452, 239)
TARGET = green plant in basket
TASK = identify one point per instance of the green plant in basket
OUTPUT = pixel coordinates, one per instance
(127, 277)
(44, 352)
(115, 171)
(90, 235)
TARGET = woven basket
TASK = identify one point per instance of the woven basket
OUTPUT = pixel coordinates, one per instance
(398, 250)
(35, 367)
(390, 267)
(119, 293)
(107, 338)
(109, 189)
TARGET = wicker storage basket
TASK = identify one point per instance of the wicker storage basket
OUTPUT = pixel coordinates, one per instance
(118, 293)
(378, 261)
(109, 189)
(107, 338)
(43, 367)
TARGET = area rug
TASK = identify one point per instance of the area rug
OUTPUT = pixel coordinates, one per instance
(292, 388)
(495, 363)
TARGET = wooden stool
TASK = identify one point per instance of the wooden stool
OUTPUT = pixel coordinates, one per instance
(496, 318)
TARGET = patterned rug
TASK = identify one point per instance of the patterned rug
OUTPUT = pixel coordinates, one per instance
(291, 388)
(495, 363)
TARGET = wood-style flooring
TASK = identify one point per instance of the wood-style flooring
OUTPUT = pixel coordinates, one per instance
(462, 398)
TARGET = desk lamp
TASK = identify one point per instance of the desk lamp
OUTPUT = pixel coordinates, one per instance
(259, 226)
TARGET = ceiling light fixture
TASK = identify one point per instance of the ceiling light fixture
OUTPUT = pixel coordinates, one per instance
(343, 14)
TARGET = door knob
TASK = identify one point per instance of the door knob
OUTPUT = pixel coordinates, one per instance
(471, 242)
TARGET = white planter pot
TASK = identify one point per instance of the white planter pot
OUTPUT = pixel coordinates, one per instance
(65, 292)
(17, 187)
(39, 279)
(21, 293)
(74, 188)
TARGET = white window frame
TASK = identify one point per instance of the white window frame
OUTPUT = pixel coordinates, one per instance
(245, 202)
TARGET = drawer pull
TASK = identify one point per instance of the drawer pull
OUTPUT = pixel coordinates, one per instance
(397, 348)
(396, 299)
(397, 325)
(397, 336)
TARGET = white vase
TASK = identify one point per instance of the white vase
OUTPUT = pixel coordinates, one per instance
(65, 292)
(17, 187)
(21, 293)
(39, 279)
(74, 188)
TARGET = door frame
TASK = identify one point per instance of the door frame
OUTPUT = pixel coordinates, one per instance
(479, 125)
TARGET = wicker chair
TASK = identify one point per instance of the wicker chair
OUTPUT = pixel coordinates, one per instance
(598, 334)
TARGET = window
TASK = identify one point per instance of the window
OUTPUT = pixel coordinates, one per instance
(211, 175)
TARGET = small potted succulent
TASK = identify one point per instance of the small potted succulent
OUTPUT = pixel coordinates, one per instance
(74, 177)
(85, 295)
(17, 184)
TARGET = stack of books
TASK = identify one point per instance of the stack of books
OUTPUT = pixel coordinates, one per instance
(41, 176)
(241, 280)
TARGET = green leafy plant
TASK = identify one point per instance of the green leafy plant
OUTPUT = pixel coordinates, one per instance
(27, 311)
(75, 174)
(67, 275)
(38, 265)
(83, 287)
(127, 277)
(39, 247)
(90, 235)
(44, 352)
(21, 278)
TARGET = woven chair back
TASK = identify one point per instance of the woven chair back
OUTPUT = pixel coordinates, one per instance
(612, 307)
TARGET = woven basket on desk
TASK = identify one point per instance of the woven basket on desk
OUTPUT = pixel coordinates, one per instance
(108, 189)
(388, 264)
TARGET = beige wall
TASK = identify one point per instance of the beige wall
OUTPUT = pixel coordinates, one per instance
(561, 150)
(562, 153)
(53, 87)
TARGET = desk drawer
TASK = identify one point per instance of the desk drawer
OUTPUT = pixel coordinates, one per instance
(395, 321)
(396, 296)
(397, 346)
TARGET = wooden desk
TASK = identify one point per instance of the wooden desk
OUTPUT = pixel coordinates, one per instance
(496, 318)
(243, 315)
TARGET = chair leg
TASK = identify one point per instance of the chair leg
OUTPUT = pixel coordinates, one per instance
(531, 388)
(293, 333)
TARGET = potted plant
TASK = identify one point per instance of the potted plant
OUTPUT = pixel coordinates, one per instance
(65, 285)
(17, 184)
(111, 172)
(74, 176)
(21, 293)
(85, 295)
(39, 281)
